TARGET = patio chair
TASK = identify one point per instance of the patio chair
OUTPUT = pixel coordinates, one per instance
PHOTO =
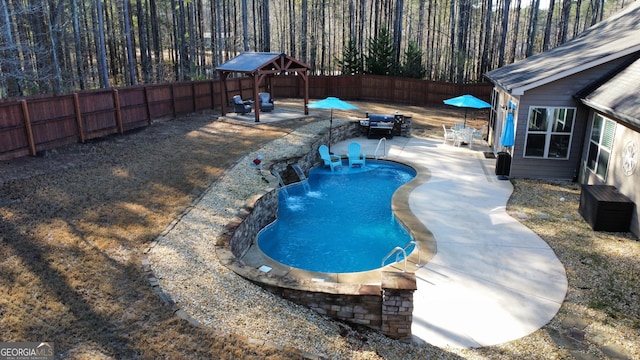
(266, 102)
(448, 135)
(463, 136)
(332, 161)
(241, 106)
(356, 157)
(479, 134)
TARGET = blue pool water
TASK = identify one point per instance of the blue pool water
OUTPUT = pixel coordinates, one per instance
(341, 222)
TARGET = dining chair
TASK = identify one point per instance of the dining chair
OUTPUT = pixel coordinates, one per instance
(448, 135)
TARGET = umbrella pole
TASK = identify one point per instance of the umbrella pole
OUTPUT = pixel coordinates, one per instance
(465, 118)
(330, 127)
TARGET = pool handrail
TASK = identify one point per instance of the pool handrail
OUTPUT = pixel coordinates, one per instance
(384, 149)
(417, 248)
(397, 250)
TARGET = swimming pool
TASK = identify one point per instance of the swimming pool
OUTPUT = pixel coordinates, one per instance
(339, 222)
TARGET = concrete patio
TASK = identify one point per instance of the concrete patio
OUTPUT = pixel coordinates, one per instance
(492, 279)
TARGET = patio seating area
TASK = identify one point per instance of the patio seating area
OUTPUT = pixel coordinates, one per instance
(459, 134)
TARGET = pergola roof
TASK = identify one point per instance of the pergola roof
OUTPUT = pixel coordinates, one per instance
(259, 65)
(258, 62)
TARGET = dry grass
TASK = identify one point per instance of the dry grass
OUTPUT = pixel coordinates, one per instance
(73, 224)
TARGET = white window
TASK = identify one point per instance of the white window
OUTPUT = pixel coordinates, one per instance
(600, 145)
(549, 132)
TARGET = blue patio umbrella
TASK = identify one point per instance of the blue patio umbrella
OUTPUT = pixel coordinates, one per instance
(508, 137)
(332, 103)
(467, 102)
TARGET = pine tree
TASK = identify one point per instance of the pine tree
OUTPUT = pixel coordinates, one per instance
(413, 66)
(380, 60)
(351, 63)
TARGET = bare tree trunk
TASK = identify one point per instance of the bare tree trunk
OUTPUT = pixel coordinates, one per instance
(515, 33)
(503, 34)
(486, 41)
(156, 41)
(532, 29)
(131, 61)
(144, 46)
(192, 70)
(113, 41)
(292, 28)
(420, 30)
(576, 21)
(464, 13)
(361, 32)
(397, 29)
(305, 28)
(54, 15)
(201, 37)
(218, 32)
(101, 48)
(78, 45)
(546, 42)
(266, 27)
(598, 10)
(323, 40)
(563, 27)
(9, 73)
(452, 39)
(245, 26)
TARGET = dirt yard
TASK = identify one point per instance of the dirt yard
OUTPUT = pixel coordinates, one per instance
(74, 222)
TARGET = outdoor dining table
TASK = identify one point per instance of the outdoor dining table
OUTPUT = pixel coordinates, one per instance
(463, 136)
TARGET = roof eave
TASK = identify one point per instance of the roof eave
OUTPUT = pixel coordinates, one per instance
(586, 66)
(611, 112)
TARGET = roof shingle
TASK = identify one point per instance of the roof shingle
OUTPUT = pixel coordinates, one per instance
(611, 39)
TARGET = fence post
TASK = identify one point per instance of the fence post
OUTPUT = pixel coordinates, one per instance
(27, 125)
(116, 101)
(76, 105)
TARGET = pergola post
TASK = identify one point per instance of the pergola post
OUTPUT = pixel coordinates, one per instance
(256, 100)
(223, 93)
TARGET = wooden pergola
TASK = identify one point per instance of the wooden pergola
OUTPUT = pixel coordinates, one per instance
(258, 66)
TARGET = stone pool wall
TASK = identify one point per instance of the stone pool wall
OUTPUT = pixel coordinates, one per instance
(386, 307)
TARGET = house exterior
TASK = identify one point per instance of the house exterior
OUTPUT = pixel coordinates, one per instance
(577, 109)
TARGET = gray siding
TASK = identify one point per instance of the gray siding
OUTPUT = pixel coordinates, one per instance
(561, 94)
(629, 185)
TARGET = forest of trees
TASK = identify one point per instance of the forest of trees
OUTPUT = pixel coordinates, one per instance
(58, 46)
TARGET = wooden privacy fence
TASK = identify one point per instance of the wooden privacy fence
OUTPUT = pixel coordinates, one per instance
(35, 124)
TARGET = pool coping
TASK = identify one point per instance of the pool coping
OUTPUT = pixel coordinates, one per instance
(256, 259)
